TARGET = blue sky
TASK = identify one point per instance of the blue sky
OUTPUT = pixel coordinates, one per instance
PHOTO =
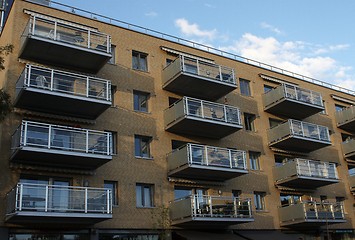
(310, 37)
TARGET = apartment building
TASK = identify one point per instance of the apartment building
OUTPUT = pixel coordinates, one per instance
(121, 132)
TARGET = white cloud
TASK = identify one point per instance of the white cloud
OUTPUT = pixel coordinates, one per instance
(151, 14)
(193, 30)
(270, 27)
(209, 5)
(294, 56)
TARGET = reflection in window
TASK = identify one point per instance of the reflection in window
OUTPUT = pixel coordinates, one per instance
(139, 61)
(144, 195)
(142, 146)
(245, 87)
(140, 101)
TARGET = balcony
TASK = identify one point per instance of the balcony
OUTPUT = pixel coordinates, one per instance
(346, 118)
(65, 44)
(311, 214)
(294, 135)
(349, 149)
(53, 145)
(305, 174)
(37, 203)
(352, 183)
(62, 93)
(194, 161)
(292, 101)
(210, 211)
(197, 117)
(195, 78)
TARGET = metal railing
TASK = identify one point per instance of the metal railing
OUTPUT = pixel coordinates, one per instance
(307, 168)
(293, 92)
(57, 198)
(64, 82)
(201, 68)
(312, 210)
(299, 129)
(345, 115)
(60, 31)
(348, 147)
(199, 46)
(204, 109)
(211, 206)
(48, 136)
(208, 156)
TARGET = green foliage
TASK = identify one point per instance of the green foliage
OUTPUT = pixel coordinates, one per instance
(5, 104)
(5, 50)
(161, 221)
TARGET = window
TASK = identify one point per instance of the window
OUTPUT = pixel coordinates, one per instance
(139, 61)
(244, 87)
(142, 146)
(274, 122)
(112, 185)
(140, 101)
(112, 60)
(339, 108)
(254, 160)
(249, 121)
(168, 61)
(237, 193)
(144, 195)
(325, 110)
(173, 100)
(280, 159)
(259, 200)
(267, 88)
(181, 192)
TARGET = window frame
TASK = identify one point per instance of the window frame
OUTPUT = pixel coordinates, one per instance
(147, 141)
(142, 187)
(139, 56)
(259, 201)
(138, 96)
(114, 190)
(245, 89)
(249, 122)
(254, 162)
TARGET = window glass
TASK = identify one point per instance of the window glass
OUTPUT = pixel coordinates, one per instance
(259, 200)
(249, 120)
(112, 185)
(244, 87)
(254, 160)
(182, 192)
(140, 101)
(139, 61)
(142, 146)
(144, 195)
(274, 122)
(339, 108)
(267, 88)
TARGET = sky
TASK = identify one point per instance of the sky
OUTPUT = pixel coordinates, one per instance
(315, 38)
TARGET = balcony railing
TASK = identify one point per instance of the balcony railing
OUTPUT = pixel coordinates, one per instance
(210, 208)
(313, 136)
(293, 101)
(197, 78)
(199, 161)
(349, 149)
(65, 83)
(74, 34)
(56, 42)
(304, 173)
(312, 212)
(346, 118)
(48, 136)
(38, 200)
(203, 113)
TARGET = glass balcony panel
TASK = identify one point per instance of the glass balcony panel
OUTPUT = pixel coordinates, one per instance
(197, 209)
(58, 201)
(293, 101)
(63, 145)
(197, 78)
(60, 92)
(202, 118)
(346, 118)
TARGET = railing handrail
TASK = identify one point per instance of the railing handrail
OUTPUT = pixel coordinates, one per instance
(205, 146)
(189, 43)
(63, 127)
(59, 186)
(27, 75)
(209, 102)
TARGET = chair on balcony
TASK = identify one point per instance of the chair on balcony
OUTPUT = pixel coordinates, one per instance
(42, 82)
